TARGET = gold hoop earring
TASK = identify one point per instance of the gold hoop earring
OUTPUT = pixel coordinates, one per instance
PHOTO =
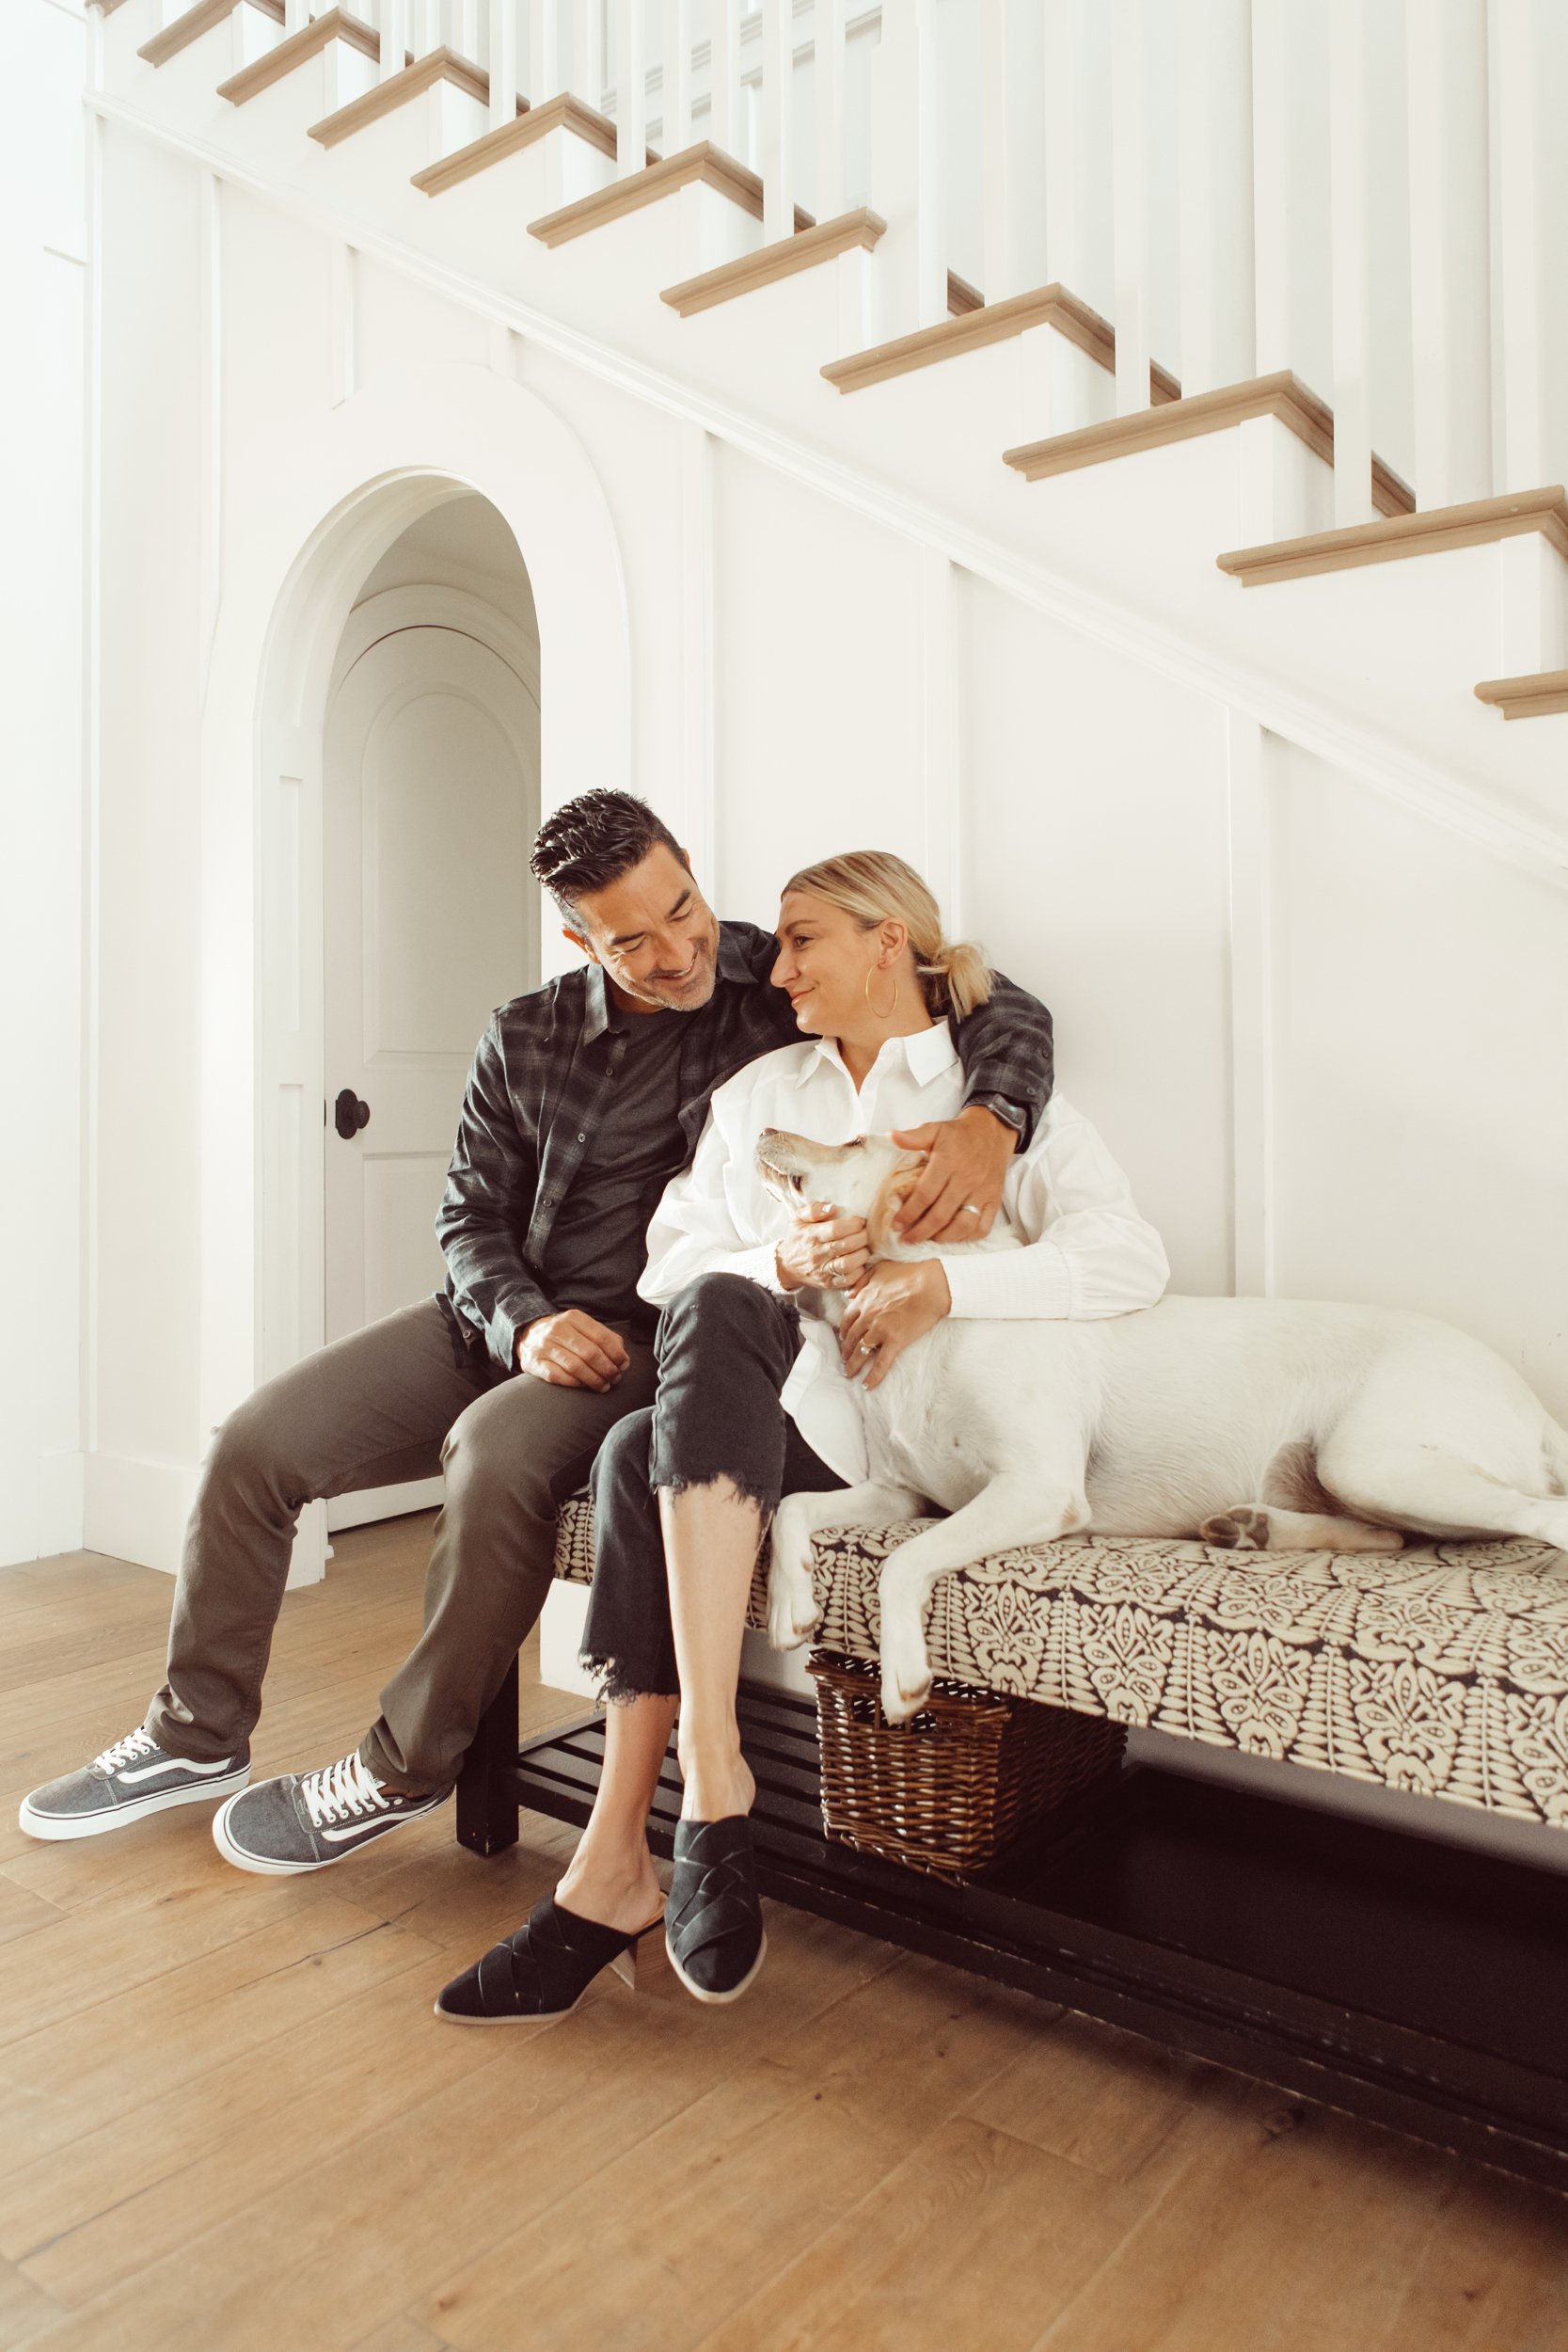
(888, 1013)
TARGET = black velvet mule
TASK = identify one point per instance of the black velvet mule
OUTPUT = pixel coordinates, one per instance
(713, 1920)
(544, 1970)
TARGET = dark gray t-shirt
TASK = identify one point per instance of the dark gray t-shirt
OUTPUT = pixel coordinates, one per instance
(599, 1243)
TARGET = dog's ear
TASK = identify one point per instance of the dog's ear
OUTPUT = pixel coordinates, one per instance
(891, 1193)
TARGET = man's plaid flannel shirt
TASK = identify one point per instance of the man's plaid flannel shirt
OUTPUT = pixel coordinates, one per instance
(538, 1086)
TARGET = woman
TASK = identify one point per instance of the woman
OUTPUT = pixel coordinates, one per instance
(753, 1404)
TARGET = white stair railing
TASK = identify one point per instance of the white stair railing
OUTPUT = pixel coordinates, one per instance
(631, 85)
(675, 76)
(725, 116)
(778, 119)
(543, 48)
(1451, 377)
(1214, 194)
(504, 57)
(393, 21)
(1371, 194)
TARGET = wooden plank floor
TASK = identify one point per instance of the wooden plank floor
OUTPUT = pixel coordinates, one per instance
(228, 2119)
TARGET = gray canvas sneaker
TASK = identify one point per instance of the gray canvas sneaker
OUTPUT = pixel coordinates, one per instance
(127, 1782)
(305, 1821)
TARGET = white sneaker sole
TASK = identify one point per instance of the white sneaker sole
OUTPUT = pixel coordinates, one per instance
(266, 1867)
(54, 1828)
(718, 2000)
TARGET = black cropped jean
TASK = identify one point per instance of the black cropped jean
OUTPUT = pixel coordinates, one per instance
(724, 1349)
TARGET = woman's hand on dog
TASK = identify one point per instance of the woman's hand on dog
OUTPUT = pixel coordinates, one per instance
(898, 1303)
(824, 1251)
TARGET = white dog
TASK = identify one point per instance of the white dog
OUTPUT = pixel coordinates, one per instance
(1266, 1424)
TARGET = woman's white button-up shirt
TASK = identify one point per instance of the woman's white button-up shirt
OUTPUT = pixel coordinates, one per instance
(1083, 1249)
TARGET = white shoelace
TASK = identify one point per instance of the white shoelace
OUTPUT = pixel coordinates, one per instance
(344, 1791)
(130, 1750)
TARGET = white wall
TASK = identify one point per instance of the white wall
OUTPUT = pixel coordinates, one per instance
(143, 1376)
(42, 249)
(1095, 851)
(1421, 1086)
(818, 660)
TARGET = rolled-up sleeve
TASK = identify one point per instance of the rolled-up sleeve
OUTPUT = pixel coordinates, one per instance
(1089, 1253)
(1007, 1047)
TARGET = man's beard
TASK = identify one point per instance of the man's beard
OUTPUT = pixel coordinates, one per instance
(654, 992)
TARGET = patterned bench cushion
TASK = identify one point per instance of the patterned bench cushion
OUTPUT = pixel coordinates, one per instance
(1442, 1670)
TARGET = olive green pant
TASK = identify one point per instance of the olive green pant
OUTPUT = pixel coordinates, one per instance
(398, 1401)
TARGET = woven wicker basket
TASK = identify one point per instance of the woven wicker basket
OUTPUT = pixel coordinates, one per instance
(946, 1791)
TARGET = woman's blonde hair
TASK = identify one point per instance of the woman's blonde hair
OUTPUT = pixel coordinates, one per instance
(871, 886)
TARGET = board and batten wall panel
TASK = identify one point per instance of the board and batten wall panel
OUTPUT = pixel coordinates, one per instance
(276, 327)
(1420, 1082)
(148, 1011)
(396, 320)
(635, 452)
(818, 685)
(1093, 853)
(42, 256)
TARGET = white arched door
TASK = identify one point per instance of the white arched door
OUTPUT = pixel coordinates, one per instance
(429, 802)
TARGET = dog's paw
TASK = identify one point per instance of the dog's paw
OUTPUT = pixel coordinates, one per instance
(906, 1671)
(1244, 1528)
(792, 1609)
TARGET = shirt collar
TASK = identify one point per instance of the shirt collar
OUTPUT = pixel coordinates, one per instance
(730, 964)
(596, 1018)
(927, 1054)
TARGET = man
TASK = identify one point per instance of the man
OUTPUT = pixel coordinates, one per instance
(584, 1098)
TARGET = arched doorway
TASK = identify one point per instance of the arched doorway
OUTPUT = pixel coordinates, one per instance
(430, 799)
(407, 444)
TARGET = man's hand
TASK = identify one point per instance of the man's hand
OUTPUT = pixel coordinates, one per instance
(897, 1303)
(571, 1350)
(959, 1191)
(823, 1250)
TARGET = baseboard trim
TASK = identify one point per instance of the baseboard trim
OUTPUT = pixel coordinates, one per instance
(383, 1503)
(136, 1510)
(40, 1506)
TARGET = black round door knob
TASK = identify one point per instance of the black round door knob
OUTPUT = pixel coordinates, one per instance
(349, 1113)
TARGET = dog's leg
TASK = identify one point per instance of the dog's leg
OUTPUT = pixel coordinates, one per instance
(1440, 1494)
(1260, 1527)
(792, 1609)
(1018, 1507)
